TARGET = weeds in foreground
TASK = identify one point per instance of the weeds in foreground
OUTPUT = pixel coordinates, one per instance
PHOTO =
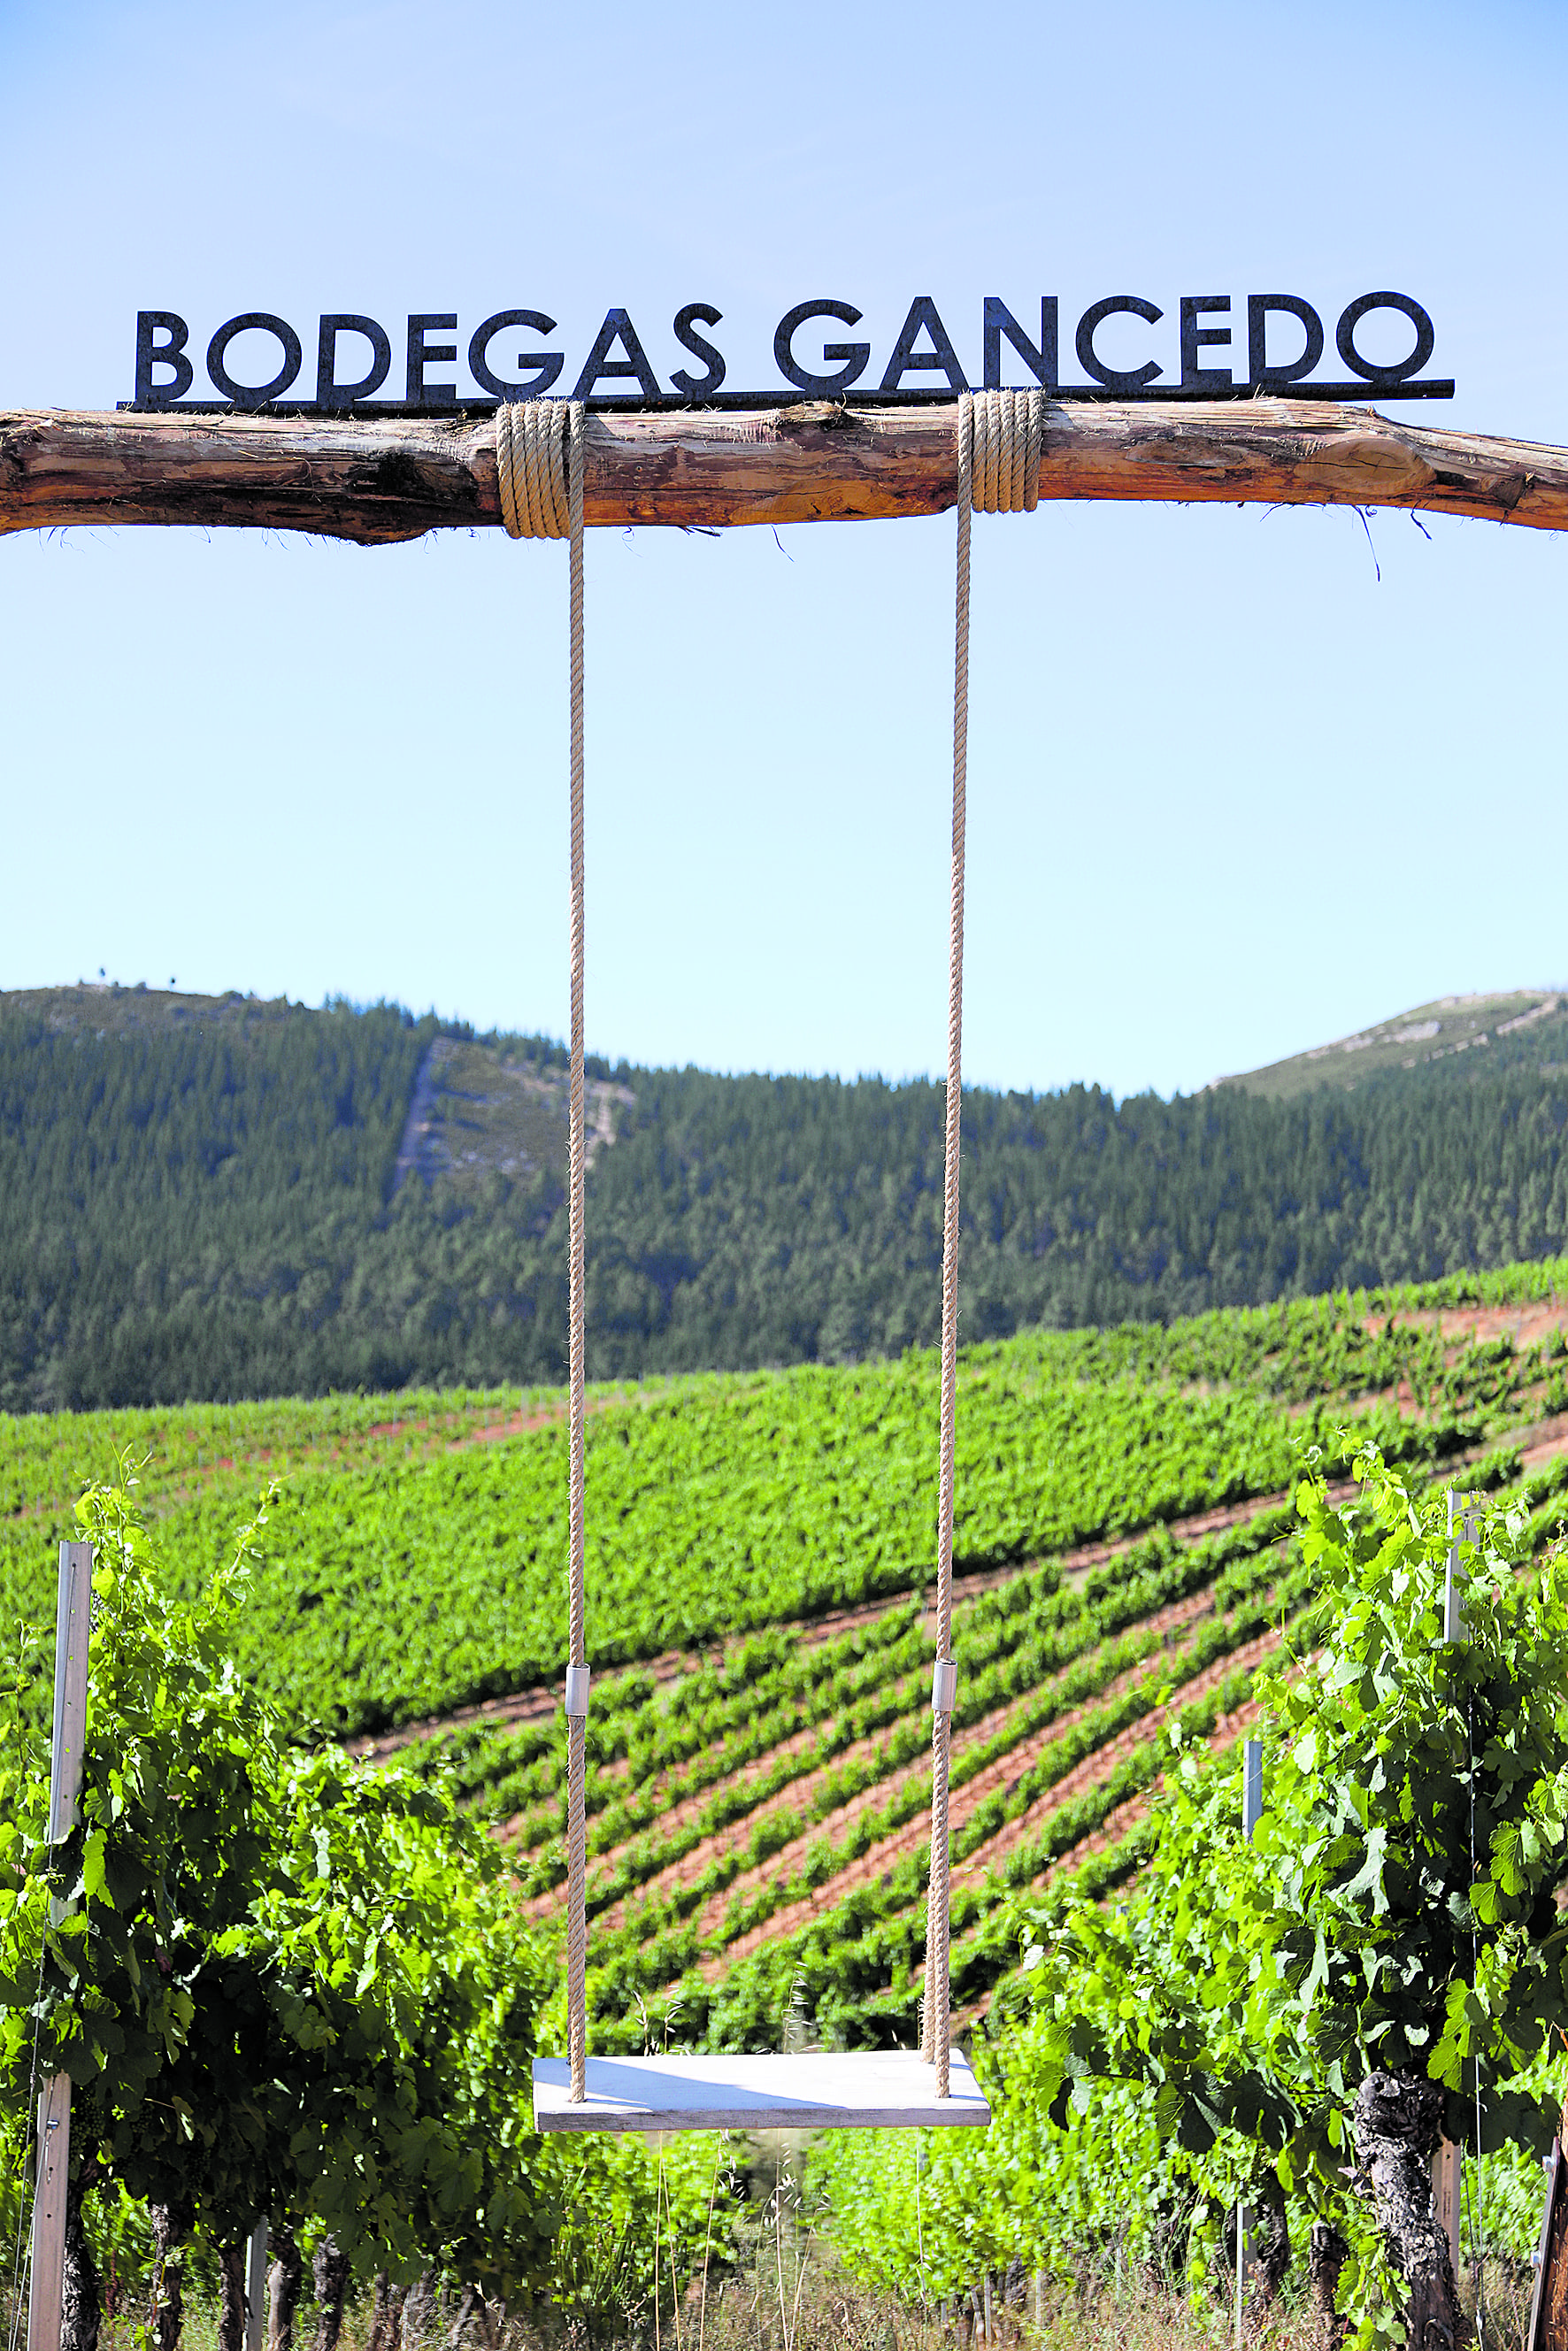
(784, 2292)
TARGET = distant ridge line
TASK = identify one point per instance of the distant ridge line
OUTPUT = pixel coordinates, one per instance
(1447, 1026)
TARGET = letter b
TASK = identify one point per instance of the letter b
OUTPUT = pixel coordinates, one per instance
(170, 354)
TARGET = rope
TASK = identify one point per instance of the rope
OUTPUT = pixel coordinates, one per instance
(1475, 1979)
(936, 2033)
(577, 1654)
(538, 471)
(1000, 438)
(531, 469)
(1009, 434)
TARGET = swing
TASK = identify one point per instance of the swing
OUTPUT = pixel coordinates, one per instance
(538, 456)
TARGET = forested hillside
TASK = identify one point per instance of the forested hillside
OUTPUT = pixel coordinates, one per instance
(215, 1198)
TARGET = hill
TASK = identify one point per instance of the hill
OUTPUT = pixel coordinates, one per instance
(215, 1198)
(1509, 1028)
(759, 1558)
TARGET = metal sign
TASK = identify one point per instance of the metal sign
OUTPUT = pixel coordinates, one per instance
(1276, 351)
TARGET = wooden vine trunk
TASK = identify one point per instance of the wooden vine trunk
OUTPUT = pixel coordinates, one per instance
(1397, 2120)
(380, 479)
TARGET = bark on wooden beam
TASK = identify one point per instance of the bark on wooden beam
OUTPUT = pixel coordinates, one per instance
(380, 479)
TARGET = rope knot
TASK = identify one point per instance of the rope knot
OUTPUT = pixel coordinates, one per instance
(532, 467)
(1008, 430)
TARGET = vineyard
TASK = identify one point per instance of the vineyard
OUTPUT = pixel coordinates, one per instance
(760, 1549)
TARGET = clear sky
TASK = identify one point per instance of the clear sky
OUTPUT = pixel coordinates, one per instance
(1231, 792)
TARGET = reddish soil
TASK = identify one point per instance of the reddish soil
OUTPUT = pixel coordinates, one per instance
(800, 1793)
(1540, 1442)
(1463, 1325)
(688, 1810)
(1543, 1442)
(530, 1705)
(518, 1424)
(1125, 1816)
(330, 1448)
(890, 1850)
(1099, 1766)
(1114, 1828)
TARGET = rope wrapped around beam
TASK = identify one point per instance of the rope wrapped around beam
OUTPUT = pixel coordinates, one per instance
(531, 438)
(1008, 430)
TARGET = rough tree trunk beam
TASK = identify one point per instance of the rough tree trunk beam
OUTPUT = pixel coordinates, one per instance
(231, 2303)
(171, 2228)
(1398, 2124)
(330, 2271)
(377, 480)
(283, 2284)
(1326, 2257)
(81, 2304)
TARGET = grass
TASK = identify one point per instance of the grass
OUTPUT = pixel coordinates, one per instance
(784, 2289)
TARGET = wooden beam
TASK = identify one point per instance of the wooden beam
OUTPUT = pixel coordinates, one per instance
(379, 479)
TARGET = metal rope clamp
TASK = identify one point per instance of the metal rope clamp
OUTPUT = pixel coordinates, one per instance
(944, 1685)
(577, 1692)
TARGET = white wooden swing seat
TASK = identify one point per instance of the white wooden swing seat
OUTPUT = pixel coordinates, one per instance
(858, 2089)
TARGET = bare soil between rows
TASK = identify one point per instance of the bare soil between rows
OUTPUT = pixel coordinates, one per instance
(809, 1632)
(884, 1856)
(1540, 1442)
(799, 1796)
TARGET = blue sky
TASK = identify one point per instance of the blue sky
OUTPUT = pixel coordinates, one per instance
(1231, 792)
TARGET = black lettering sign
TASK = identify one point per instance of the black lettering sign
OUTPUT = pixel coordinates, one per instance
(923, 319)
(546, 365)
(698, 387)
(330, 392)
(1260, 369)
(1120, 380)
(1351, 317)
(1193, 377)
(853, 355)
(1285, 344)
(1038, 358)
(617, 329)
(170, 353)
(421, 354)
(246, 395)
